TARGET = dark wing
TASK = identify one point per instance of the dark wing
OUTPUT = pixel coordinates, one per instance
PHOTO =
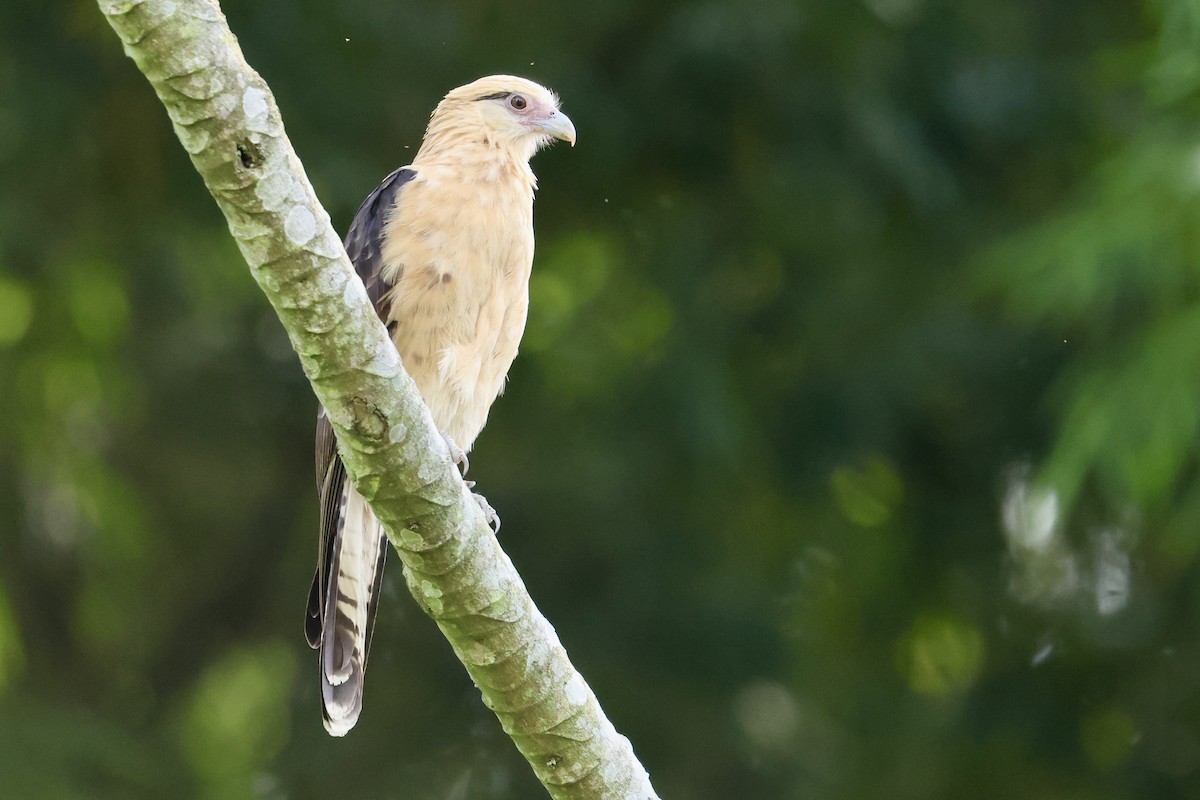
(331, 482)
(364, 240)
(351, 551)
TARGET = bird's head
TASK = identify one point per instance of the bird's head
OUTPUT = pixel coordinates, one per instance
(511, 112)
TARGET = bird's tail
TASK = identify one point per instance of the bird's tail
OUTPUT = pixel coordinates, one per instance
(345, 594)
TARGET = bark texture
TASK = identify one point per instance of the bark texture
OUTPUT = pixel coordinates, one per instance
(227, 120)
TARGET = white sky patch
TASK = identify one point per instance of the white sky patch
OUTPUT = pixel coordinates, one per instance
(1031, 513)
(1113, 568)
(1044, 572)
(1050, 571)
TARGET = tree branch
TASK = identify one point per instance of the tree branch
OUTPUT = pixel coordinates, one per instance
(226, 119)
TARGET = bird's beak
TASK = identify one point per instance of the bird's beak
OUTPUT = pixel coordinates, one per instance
(559, 126)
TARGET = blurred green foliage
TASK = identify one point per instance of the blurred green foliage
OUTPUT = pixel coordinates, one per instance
(852, 449)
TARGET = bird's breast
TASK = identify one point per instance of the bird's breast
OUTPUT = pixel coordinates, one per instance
(458, 255)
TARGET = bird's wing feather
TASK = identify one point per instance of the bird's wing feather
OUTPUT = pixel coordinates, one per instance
(364, 240)
(331, 483)
(345, 591)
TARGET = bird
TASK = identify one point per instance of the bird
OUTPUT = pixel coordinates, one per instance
(444, 247)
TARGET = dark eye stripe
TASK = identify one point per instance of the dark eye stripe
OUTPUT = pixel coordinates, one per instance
(495, 96)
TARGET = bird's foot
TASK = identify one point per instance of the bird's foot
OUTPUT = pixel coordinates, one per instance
(489, 514)
(458, 457)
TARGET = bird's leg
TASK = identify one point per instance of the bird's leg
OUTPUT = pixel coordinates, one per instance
(458, 457)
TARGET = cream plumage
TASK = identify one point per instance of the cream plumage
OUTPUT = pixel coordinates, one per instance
(445, 248)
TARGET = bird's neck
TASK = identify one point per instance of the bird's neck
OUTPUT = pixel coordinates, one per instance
(479, 154)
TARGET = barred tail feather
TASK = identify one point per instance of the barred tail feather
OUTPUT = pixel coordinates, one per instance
(354, 575)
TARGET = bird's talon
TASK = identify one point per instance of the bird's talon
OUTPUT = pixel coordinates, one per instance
(489, 514)
(458, 456)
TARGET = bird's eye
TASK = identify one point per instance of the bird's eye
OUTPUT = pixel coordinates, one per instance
(518, 102)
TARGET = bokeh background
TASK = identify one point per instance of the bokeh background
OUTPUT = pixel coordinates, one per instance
(852, 449)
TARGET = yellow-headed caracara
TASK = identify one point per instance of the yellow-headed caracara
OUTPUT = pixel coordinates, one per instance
(444, 247)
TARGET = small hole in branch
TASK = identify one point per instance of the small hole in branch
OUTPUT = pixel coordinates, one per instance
(249, 156)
